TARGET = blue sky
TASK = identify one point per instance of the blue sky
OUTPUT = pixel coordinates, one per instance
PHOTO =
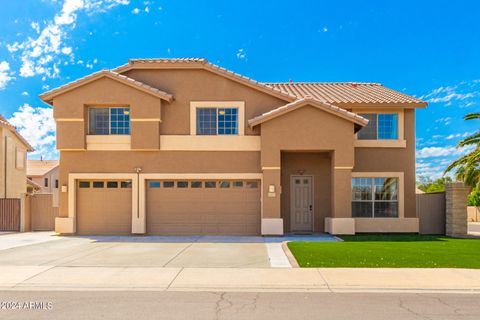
(429, 49)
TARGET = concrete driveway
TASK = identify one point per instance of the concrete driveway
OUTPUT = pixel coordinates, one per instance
(44, 248)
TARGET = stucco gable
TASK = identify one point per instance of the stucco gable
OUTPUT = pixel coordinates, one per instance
(339, 112)
(50, 95)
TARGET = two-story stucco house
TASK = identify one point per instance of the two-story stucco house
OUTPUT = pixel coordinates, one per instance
(184, 147)
(13, 157)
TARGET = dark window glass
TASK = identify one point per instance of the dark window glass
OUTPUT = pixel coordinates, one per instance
(206, 121)
(98, 184)
(56, 183)
(210, 184)
(126, 184)
(252, 184)
(182, 184)
(105, 121)
(362, 209)
(168, 184)
(112, 184)
(224, 184)
(45, 182)
(196, 184)
(375, 197)
(386, 209)
(238, 184)
(84, 184)
(98, 121)
(369, 132)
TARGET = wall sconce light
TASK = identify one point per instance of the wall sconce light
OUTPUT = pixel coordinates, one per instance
(301, 172)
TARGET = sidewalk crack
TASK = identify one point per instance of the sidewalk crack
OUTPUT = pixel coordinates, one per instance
(324, 280)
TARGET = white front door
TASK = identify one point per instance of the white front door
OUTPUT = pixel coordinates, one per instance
(301, 204)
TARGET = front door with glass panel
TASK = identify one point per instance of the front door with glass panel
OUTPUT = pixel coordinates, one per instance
(301, 204)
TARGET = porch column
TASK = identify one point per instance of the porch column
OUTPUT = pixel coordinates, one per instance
(342, 192)
(341, 221)
(272, 222)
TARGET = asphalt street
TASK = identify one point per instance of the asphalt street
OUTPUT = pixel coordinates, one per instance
(236, 305)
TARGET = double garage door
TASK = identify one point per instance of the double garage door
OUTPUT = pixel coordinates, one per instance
(173, 207)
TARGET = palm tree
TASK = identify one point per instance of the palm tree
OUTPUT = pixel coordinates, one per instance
(468, 166)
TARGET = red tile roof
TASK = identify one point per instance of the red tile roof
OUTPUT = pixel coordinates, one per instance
(308, 100)
(347, 92)
(49, 95)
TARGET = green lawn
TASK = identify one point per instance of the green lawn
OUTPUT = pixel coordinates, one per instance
(389, 251)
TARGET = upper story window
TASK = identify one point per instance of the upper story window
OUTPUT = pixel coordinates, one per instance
(381, 126)
(217, 121)
(109, 121)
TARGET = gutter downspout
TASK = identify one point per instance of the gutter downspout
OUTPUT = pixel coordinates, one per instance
(5, 169)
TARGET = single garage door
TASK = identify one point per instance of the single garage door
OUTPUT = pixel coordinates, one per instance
(203, 207)
(104, 207)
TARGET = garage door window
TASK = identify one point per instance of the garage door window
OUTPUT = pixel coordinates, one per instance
(196, 184)
(84, 184)
(98, 184)
(154, 184)
(210, 184)
(224, 184)
(252, 184)
(126, 184)
(238, 184)
(168, 184)
(182, 184)
(112, 184)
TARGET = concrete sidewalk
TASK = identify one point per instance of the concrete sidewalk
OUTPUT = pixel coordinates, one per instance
(235, 279)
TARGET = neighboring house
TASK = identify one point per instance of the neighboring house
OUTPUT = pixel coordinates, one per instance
(13, 155)
(44, 173)
(181, 146)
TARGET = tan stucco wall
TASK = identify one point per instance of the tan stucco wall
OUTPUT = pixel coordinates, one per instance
(52, 176)
(317, 165)
(394, 160)
(16, 178)
(300, 130)
(72, 105)
(154, 162)
(201, 85)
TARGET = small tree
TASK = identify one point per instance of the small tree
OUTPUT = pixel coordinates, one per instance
(468, 166)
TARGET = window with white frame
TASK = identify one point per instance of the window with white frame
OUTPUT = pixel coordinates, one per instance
(217, 121)
(109, 121)
(381, 126)
(375, 197)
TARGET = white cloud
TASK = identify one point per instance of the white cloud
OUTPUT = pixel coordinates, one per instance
(25, 93)
(147, 9)
(446, 120)
(37, 126)
(136, 11)
(462, 94)
(35, 26)
(325, 29)
(241, 54)
(42, 54)
(431, 152)
(5, 76)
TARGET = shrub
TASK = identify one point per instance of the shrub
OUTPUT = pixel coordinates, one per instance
(474, 198)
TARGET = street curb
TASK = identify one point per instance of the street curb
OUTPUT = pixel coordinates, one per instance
(289, 254)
